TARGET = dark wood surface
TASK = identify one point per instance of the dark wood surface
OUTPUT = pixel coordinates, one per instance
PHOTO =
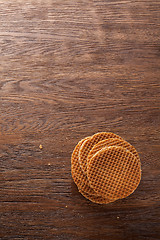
(69, 69)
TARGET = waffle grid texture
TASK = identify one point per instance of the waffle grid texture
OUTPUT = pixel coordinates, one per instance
(114, 172)
(111, 142)
(88, 144)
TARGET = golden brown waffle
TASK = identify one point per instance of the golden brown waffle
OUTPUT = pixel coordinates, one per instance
(114, 172)
(88, 144)
(79, 178)
(95, 199)
(111, 142)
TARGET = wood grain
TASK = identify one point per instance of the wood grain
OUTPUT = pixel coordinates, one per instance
(69, 69)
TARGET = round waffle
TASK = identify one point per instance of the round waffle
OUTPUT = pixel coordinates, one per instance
(78, 176)
(114, 172)
(88, 144)
(95, 199)
(111, 142)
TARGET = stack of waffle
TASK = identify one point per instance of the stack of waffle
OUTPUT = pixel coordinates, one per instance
(105, 167)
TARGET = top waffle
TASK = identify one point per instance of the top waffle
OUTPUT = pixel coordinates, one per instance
(114, 172)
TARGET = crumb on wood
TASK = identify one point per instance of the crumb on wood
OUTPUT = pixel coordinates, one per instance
(40, 146)
(49, 164)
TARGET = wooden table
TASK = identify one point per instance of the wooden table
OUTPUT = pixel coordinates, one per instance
(69, 69)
